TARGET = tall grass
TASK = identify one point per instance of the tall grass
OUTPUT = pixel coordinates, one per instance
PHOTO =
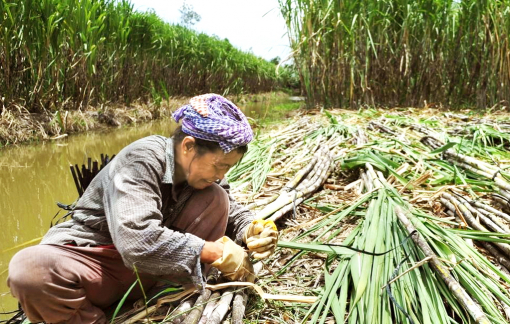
(403, 52)
(70, 53)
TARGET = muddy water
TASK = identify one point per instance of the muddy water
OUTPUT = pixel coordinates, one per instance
(34, 177)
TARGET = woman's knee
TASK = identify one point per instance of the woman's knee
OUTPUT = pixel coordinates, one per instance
(216, 196)
(29, 269)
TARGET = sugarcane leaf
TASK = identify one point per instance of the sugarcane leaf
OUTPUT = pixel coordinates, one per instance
(443, 148)
(445, 251)
(122, 301)
(331, 118)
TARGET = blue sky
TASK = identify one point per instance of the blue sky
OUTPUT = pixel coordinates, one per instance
(250, 25)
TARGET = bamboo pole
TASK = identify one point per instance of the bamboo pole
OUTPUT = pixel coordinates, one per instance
(462, 296)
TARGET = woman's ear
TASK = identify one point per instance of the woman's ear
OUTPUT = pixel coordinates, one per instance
(188, 143)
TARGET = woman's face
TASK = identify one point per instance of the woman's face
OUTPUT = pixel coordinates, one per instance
(203, 170)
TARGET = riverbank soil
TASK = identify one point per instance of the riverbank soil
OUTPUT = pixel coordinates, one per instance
(18, 126)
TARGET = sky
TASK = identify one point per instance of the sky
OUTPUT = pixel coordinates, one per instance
(250, 25)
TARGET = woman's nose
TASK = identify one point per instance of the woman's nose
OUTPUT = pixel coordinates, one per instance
(220, 174)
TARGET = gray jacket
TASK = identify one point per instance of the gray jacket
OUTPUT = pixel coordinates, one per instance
(129, 204)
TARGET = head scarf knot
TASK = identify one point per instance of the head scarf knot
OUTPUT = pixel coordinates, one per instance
(211, 117)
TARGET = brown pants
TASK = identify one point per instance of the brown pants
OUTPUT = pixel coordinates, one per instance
(68, 284)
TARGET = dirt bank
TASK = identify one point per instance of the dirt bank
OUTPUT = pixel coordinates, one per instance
(19, 126)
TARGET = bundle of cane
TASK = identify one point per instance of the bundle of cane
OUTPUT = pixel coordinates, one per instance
(478, 167)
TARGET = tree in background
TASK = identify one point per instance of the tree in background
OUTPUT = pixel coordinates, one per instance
(189, 16)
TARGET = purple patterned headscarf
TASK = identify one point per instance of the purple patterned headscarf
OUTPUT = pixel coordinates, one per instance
(211, 117)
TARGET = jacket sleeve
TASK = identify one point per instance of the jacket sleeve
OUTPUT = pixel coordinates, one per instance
(239, 217)
(133, 203)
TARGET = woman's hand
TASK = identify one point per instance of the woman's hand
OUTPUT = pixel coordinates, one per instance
(211, 252)
(234, 264)
(261, 238)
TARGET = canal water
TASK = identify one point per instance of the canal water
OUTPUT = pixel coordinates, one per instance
(33, 178)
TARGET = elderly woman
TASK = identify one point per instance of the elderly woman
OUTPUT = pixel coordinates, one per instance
(157, 210)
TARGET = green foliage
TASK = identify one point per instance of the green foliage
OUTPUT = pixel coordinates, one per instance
(66, 54)
(401, 53)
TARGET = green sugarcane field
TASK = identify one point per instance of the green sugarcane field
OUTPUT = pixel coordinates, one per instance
(383, 155)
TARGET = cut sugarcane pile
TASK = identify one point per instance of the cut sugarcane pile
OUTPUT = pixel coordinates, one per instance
(385, 217)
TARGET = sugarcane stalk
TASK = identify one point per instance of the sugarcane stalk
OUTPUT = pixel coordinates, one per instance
(213, 300)
(239, 307)
(262, 202)
(300, 174)
(431, 142)
(493, 210)
(222, 307)
(454, 204)
(468, 216)
(461, 295)
(300, 196)
(504, 193)
(372, 176)
(76, 181)
(486, 220)
(183, 308)
(288, 197)
(320, 173)
(285, 209)
(194, 316)
(240, 299)
(382, 128)
(498, 180)
(471, 161)
(495, 219)
(500, 258)
(366, 182)
(422, 129)
(360, 137)
(322, 163)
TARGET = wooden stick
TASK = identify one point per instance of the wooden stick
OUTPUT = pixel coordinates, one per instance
(76, 181)
(416, 265)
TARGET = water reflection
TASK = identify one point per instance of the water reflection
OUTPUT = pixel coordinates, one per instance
(34, 177)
